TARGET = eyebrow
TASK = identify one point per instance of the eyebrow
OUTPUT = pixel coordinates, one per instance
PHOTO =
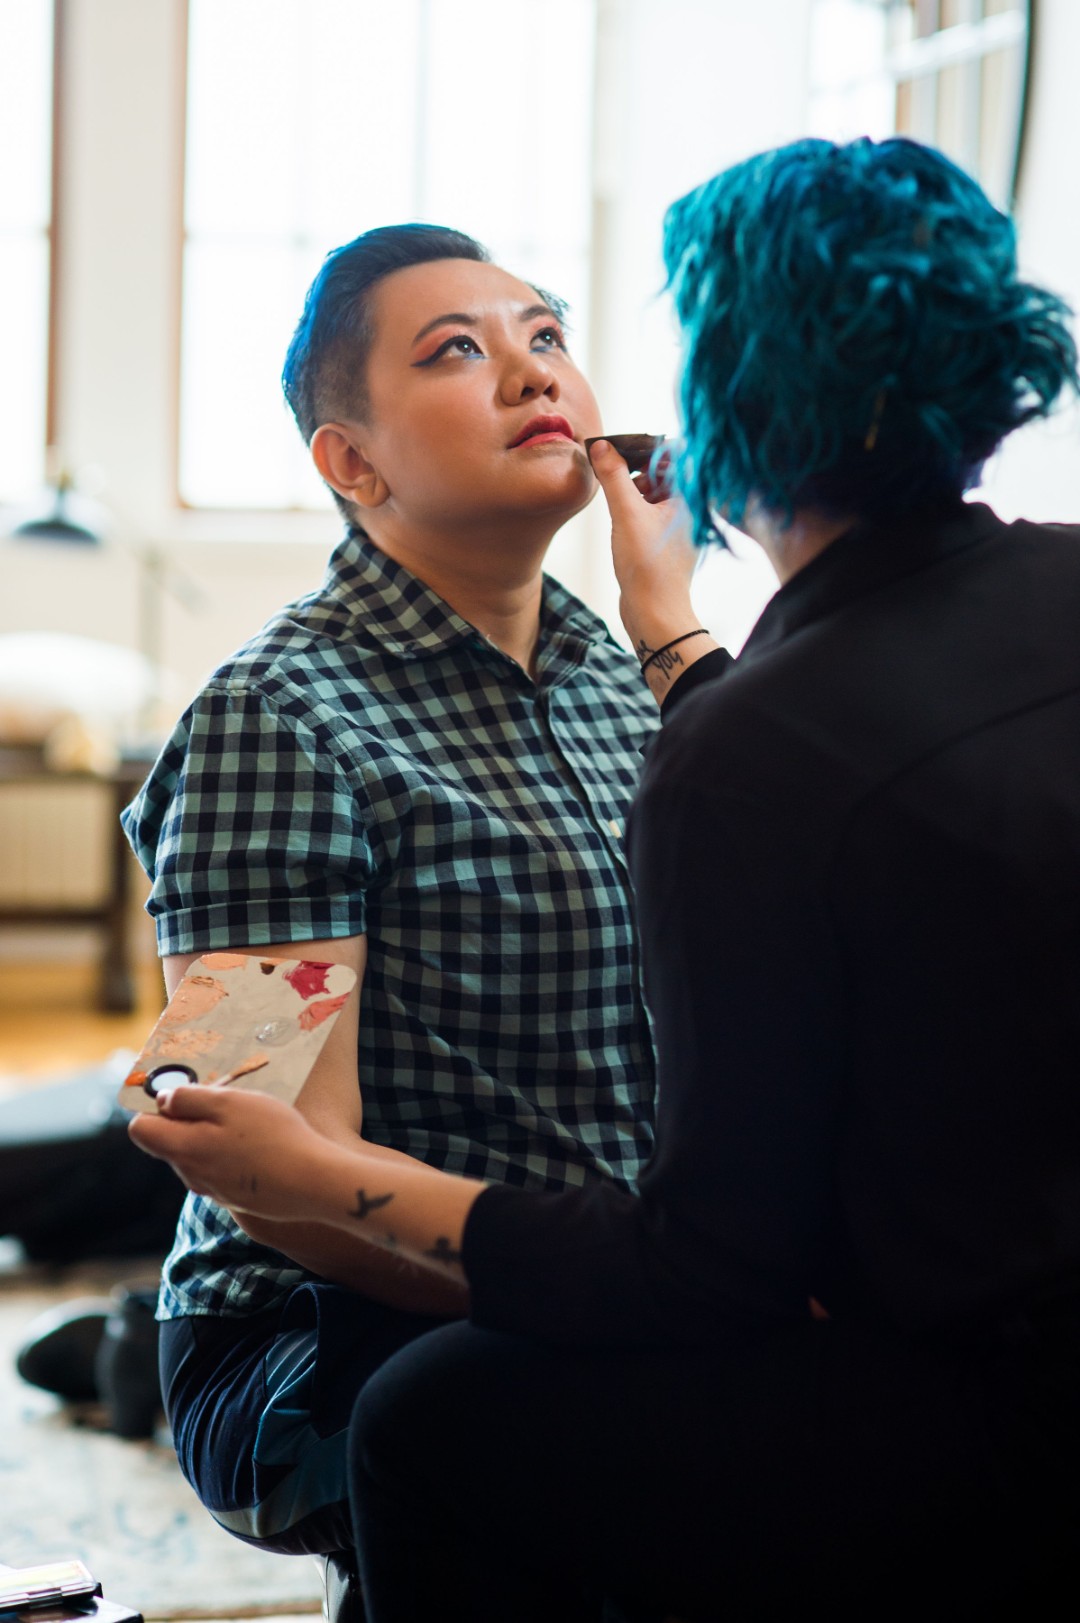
(461, 318)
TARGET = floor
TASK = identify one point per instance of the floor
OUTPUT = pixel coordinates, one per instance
(49, 1025)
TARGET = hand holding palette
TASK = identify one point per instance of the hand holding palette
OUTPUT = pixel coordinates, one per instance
(238, 1019)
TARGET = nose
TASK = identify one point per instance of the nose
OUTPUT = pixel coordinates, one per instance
(528, 376)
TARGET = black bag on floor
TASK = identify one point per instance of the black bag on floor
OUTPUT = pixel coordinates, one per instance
(72, 1184)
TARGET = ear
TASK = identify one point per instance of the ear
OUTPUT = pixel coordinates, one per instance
(338, 454)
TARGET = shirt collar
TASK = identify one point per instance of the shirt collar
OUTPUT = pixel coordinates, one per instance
(389, 606)
(865, 558)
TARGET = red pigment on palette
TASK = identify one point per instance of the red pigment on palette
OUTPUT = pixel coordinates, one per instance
(316, 1013)
(309, 979)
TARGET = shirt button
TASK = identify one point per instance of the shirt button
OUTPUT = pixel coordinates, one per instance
(615, 829)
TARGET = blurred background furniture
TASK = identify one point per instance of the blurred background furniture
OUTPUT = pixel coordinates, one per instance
(24, 767)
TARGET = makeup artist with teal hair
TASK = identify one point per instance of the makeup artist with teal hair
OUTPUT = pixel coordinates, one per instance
(827, 1359)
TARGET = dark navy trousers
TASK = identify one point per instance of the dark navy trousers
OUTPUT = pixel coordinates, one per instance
(260, 1408)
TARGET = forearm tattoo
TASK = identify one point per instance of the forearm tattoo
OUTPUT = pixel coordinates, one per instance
(443, 1251)
(366, 1204)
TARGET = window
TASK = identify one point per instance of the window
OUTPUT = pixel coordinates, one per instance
(26, 93)
(309, 124)
(947, 72)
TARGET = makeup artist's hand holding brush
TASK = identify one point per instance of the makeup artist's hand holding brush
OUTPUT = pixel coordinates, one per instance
(654, 564)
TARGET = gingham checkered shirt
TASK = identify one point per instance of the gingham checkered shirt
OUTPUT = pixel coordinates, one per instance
(370, 764)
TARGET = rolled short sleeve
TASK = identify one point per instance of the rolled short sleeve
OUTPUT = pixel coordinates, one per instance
(250, 830)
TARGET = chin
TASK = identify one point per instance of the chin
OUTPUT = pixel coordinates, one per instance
(568, 495)
(586, 498)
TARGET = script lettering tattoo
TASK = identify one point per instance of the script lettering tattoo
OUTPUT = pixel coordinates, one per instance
(443, 1251)
(366, 1204)
(664, 660)
(668, 660)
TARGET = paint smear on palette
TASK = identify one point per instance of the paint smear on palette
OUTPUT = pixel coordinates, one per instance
(185, 1044)
(224, 960)
(309, 979)
(195, 996)
(316, 1013)
(255, 1063)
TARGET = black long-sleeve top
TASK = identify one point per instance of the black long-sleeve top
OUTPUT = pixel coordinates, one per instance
(856, 851)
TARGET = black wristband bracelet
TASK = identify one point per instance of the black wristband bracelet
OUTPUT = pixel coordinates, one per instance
(660, 652)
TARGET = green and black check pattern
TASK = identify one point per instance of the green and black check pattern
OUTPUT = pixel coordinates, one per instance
(369, 763)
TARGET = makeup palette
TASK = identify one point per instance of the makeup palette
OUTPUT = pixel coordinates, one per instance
(242, 1021)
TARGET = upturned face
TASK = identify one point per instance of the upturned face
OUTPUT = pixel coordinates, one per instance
(476, 411)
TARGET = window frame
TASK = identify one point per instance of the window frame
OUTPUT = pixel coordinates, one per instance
(922, 60)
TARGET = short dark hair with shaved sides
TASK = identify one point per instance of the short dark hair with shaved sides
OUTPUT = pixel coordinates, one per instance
(323, 376)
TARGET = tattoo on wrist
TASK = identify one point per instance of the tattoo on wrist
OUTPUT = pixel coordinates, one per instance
(443, 1251)
(666, 661)
(366, 1204)
(664, 658)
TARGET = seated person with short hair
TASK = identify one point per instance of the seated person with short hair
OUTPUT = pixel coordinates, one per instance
(421, 770)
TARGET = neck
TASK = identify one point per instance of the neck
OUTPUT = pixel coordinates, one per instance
(494, 581)
(790, 547)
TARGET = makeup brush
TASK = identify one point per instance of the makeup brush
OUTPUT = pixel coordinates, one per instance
(648, 456)
(636, 450)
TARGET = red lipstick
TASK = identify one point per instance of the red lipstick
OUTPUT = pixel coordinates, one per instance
(541, 431)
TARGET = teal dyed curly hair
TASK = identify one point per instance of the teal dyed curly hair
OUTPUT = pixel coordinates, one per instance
(857, 338)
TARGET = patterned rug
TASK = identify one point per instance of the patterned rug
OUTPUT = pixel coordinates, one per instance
(69, 1489)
